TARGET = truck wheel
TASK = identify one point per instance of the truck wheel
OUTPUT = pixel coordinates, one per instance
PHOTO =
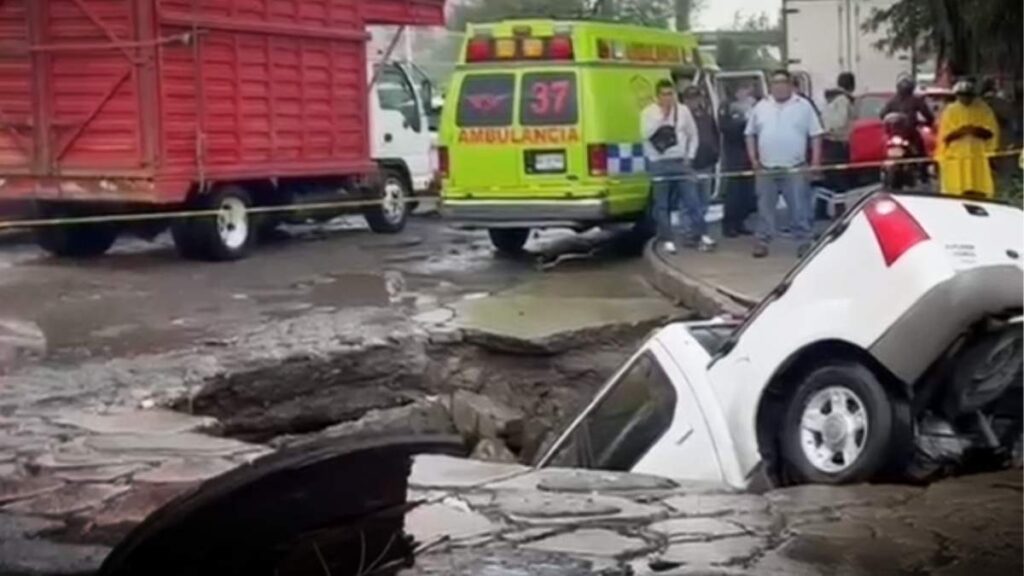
(837, 426)
(509, 240)
(390, 215)
(227, 236)
(77, 240)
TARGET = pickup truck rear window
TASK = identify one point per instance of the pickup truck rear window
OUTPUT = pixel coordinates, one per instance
(617, 432)
(548, 99)
(486, 100)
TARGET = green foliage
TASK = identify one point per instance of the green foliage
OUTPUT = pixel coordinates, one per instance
(731, 55)
(975, 36)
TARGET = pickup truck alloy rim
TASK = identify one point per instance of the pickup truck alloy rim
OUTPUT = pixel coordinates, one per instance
(392, 203)
(833, 429)
(232, 223)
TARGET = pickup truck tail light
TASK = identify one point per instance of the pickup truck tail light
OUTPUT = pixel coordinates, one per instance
(443, 165)
(896, 229)
(597, 159)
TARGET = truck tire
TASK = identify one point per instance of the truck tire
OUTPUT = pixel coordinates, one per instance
(837, 426)
(509, 240)
(390, 215)
(77, 240)
(227, 236)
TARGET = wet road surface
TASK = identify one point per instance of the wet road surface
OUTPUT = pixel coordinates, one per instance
(141, 298)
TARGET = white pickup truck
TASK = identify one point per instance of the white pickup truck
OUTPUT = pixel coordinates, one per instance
(893, 347)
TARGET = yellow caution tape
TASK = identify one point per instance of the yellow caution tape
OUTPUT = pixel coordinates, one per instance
(818, 169)
(351, 204)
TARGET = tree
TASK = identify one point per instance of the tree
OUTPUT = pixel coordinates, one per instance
(732, 55)
(971, 36)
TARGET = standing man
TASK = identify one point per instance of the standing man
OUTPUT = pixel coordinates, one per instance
(837, 119)
(697, 193)
(968, 131)
(670, 145)
(739, 190)
(778, 134)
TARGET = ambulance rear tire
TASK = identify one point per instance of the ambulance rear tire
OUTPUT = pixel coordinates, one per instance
(509, 240)
(229, 235)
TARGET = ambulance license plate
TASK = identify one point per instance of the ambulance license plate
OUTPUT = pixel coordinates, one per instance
(549, 162)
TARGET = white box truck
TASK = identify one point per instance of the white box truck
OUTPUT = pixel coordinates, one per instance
(826, 37)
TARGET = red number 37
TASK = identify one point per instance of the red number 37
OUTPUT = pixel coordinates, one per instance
(549, 98)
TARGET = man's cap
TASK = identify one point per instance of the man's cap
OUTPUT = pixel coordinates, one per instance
(963, 87)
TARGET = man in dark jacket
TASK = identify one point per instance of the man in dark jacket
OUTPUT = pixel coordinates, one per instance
(738, 190)
(696, 205)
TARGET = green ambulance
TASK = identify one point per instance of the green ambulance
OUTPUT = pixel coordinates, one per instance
(541, 126)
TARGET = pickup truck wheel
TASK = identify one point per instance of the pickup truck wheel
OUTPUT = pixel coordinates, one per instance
(390, 215)
(76, 240)
(509, 240)
(227, 236)
(837, 426)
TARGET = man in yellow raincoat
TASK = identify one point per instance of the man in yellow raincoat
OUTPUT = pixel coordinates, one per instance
(968, 131)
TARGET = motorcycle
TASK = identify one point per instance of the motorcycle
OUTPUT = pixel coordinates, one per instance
(897, 174)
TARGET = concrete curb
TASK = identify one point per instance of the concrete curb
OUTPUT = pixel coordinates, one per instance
(707, 300)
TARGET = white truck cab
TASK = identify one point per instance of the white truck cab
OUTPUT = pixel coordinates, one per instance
(893, 348)
(403, 130)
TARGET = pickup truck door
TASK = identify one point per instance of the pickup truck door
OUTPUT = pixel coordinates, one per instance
(646, 419)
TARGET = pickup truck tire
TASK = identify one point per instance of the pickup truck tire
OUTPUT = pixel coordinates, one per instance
(837, 426)
(227, 236)
(390, 215)
(76, 240)
(509, 240)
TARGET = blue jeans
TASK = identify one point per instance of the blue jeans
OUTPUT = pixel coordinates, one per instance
(667, 194)
(693, 203)
(796, 190)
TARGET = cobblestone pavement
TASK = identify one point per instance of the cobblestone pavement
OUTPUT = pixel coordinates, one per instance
(506, 520)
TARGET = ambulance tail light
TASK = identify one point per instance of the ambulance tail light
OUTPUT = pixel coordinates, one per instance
(478, 50)
(896, 229)
(560, 48)
(597, 159)
(443, 163)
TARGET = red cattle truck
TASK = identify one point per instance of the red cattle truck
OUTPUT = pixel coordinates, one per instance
(132, 106)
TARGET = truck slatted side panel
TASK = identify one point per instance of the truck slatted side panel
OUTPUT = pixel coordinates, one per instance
(403, 12)
(313, 15)
(15, 88)
(94, 94)
(281, 87)
(137, 100)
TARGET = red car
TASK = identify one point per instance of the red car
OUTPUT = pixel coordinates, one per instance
(867, 135)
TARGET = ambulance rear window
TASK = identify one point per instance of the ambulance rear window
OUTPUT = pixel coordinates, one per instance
(486, 100)
(548, 99)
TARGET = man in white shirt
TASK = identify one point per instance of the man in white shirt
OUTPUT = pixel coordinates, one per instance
(670, 144)
(778, 133)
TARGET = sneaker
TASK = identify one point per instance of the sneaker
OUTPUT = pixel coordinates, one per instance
(669, 247)
(803, 249)
(708, 242)
(760, 251)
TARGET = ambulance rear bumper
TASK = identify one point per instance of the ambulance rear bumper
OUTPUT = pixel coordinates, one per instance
(524, 213)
